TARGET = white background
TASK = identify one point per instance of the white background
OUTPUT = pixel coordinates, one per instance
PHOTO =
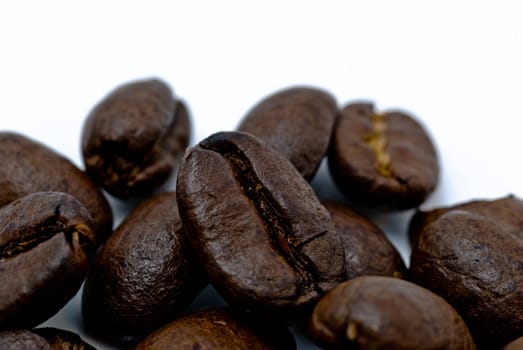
(456, 66)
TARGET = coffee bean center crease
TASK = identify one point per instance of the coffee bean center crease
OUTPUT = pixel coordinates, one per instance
(277, 226)
(47, 230)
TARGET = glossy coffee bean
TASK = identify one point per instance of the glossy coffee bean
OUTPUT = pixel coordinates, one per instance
(22, 340)
(133, 139)
(367, 249)
(383, 160)
(144, 275)
(218, 329)
(376, 312)
(258, 229)
(60, 339)
(29, 166)
(472, 255)
(46, 239)
(297, 122)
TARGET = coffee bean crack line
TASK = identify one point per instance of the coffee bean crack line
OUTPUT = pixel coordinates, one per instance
(44, 232)
(377, 141)
(280, 233)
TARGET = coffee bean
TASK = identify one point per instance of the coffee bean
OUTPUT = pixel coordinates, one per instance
(218, 329)
(29, 166)
(515, 345)
(60, 339)
(22, 340)
(382, 160)
(42, 338)
(133, 138)
(45, 242)
(472, 255)
(297, 122)
(144, 275)
(376, 312)
(258, 229)
(367, 249)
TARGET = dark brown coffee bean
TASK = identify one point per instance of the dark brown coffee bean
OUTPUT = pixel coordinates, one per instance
(144, 275)
(29, 166)
(383, 160)
(22, 340)
(133, 138)
(472, 255)
(60, 339)
(297, 122)
(218, 329)
(266, 242)
(45, 242)
(515, 345)
(367, 249)
(376, 312)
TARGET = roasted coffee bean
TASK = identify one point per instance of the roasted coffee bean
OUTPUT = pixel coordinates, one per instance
(60, 339)
(367, 249)
(382, 160)
(46, 239)
(472, 255)
(218, 329)
(515, 345)
(297, 122)
(144, 275)
(29, 166)
(376, 312)
(133, 139)
(22, 340)
(258, 229)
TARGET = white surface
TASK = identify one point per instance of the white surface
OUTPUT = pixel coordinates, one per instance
(457, 66)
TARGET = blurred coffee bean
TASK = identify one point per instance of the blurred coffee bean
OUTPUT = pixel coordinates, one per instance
(29, 166)
(218, 329)
(367, 249)
(133, 139)
(297, 122)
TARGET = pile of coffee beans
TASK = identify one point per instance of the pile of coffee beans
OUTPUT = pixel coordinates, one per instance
(245, 219)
